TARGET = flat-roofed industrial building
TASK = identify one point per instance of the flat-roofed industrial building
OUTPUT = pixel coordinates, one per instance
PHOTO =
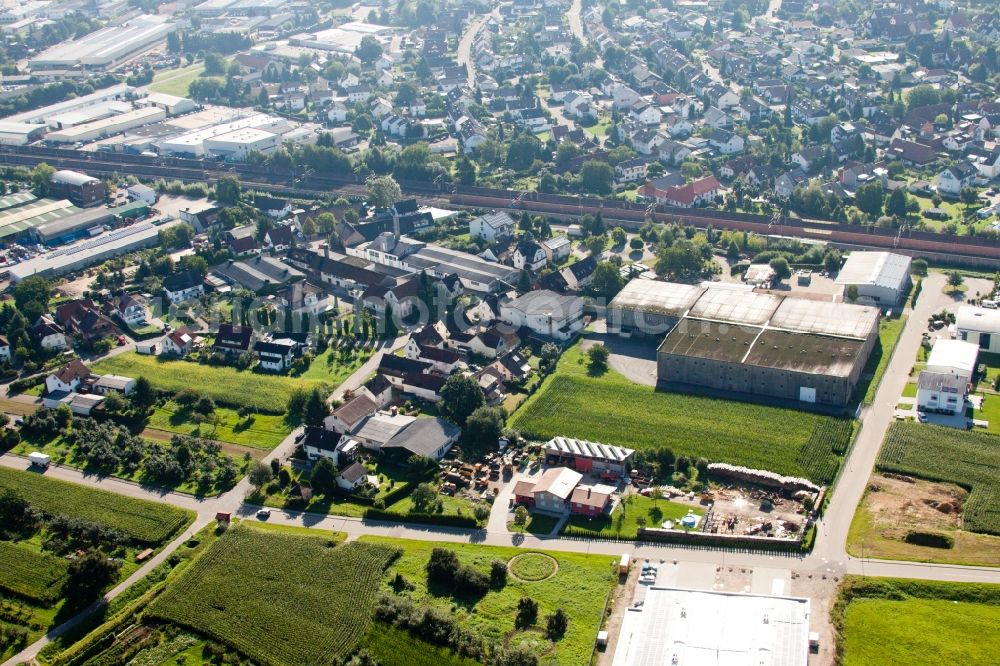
(770, 346)
(710, 628)
(105, 47)
(882, 278)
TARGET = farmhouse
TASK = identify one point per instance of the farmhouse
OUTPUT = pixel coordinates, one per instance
(880, 277)
(609, 462)
(429, 437)
(979, 326)
(551, 492)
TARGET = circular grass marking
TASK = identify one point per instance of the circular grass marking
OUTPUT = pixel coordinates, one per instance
(533, 567)
(532, 638)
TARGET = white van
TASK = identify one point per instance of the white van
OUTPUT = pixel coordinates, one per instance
(39, 459)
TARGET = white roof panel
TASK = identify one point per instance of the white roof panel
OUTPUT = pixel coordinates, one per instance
(881, 269)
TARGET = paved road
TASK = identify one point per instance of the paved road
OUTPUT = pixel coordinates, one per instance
(828, 558)
(464, 56)
(575, 22)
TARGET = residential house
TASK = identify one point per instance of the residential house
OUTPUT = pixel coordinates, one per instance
(528, 255)
(48, 333)
(911, 152)
(810, 158)
(557, 248)
(953, 179)
(351, 415)
(551, 493)
(630, 171)
(591, 500)
(113, 384)
(695, 193)
(320, 443)
(579, 274)
(727, 143)
(233, 340)
(67, 378)
(275, 355)
(302, 297)
(352, 477)
(182, 286)
(492, 226)
(280, 238)
(378, 389)
(177, 343)
(546, 313)
(444, 361)
(81, 318)
(131, 309)
(5, 353)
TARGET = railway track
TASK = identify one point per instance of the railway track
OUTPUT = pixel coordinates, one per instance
(299, 182)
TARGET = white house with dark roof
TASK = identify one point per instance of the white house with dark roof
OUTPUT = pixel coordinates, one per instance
(951, 181)
(529, 255)
(492, 226)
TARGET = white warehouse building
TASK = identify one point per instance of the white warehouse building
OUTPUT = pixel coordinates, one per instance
(106, 47)
(236, 145)
(19, 134)
(880, 277)
(979, 326)
(99, 129)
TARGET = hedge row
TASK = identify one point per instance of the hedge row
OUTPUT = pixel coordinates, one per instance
(424, 518)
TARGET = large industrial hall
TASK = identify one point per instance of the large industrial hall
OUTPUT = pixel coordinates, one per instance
(732, 339)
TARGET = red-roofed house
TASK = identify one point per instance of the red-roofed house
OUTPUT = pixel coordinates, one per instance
(694, 193)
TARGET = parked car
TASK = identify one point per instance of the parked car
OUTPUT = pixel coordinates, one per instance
(264, 514)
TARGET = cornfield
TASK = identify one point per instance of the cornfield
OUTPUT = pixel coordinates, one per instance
(148, 523)
(280, 598)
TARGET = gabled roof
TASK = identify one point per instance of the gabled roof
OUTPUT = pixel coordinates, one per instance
(355, 409)
(321, 438)
(354, 473)
(424, 436)
(233, 338)
(72, 371)
(181, 280)
(558, 481)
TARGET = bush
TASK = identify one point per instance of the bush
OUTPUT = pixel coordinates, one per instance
(527, 612)
(930, 539)
(498, 573)
(442, 566)
(556, 624)
(471, 583)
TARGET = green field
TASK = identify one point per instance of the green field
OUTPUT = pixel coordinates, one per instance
(395, 647)
(30, 573)
(145, 522)
(654, 513)
(280, 598)
(260, 431)
(888, 335)
(787, 441)
(887, 622)
(176, 81)
(579, 587)
(226, 385)
(969, 459)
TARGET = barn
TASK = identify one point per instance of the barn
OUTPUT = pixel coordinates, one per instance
(608, 462)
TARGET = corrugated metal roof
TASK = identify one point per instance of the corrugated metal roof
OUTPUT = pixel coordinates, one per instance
(583, 448)
(881, 269)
